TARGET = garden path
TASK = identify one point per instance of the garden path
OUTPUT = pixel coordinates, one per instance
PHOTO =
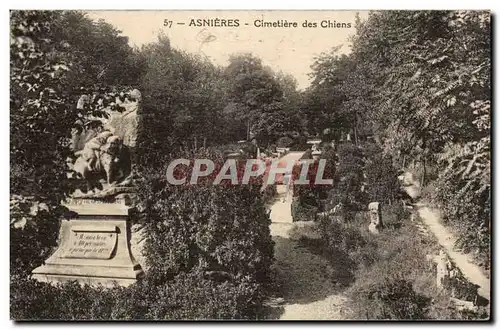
(308, 290)
(432, 219)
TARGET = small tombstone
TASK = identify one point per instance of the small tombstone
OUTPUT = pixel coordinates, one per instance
(82, 101)
(375, 212)
(135, 95)
(442, 268)
(314, 144)
(316, 154)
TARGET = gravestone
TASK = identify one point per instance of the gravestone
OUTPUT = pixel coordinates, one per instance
(94, 246)
(97, 244)
(316, 155)
(442, 268)
(375, 213)
(315, 144)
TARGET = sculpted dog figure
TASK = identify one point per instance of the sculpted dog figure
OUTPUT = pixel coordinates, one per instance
(103, 157)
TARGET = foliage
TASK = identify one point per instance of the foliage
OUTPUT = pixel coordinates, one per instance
(302, 210)
(194, 103)
(220, 231)
(46, 82)
(183, 99)
(419, 82)
(388, 274)
(465, 185)
(262, 103)
(269, 193)
(394, 299)
(33, 233)
(310, 198)
(349, 180)
(47, 75)
(347, 240)
(209, 227)
(284, 142)
(189, 296)
(382, 183)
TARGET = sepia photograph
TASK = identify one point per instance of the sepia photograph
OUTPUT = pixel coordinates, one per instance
(259, 165)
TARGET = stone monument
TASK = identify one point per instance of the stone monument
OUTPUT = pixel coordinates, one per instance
(375, 212)
(315, 144)
(96, 241)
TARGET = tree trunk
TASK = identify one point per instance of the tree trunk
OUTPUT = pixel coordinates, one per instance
(424, 176)
(355, 128)
(248, 130)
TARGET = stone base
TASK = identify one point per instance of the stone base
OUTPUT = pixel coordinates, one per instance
(94, 248)
(108, 282)
(87, 271)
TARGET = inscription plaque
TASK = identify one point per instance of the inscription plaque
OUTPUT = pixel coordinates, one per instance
(91, 243)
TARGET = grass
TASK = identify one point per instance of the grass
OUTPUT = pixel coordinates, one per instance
(390, 275)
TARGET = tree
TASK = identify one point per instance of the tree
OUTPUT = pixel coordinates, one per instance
(183, 96)
(257, 99)
(419, 81)
(45, 83)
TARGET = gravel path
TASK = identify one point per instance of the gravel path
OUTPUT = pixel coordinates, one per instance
(307, 281)
(432, 219)
(308, 289)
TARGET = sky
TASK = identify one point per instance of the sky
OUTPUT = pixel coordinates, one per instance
(287, 49)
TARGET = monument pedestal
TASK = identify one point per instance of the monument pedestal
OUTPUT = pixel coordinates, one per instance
(94, 247)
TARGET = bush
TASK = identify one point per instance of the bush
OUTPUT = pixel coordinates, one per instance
(31, 245)
(350, 240)
(207, 227)
(469, 214)
(188, 296)
(348, 181)
(382, 183)
(394, 215)
(393, 299)
(269, 193)
(284, 142)
(310, 199)
(301, 211)
(221, 231)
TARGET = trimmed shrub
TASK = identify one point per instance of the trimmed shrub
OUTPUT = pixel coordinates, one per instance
(310, 199)
(220, 231)
(205, 227)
